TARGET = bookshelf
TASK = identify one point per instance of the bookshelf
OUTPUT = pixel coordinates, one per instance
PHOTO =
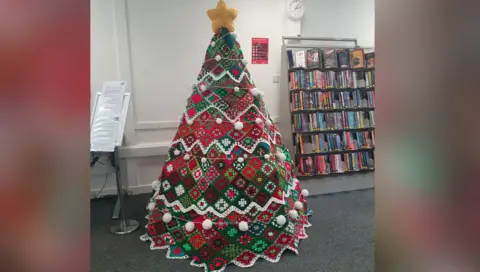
(331, 109)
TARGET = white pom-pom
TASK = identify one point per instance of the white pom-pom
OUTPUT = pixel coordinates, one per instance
(155, 184)
(219, 121)
(212, 44)
(207, 224)
(293, 214)
(267, 156)
(204, 160)
(298, 205)
(234, 35)
(281, 220)
(243, 226)
(305, 193)
(236, 89)
(281, 156)
(261, 93)
(167, 218)
(189, 226)
(190, 122)
(269, 123)
(186, 157)
(258, 121)
(176, 152)
(238, 125)
(151, 206)
(240, 160)
(245, 62)
(245, 156)
(218, 58)
(254, 91)
(203, 87)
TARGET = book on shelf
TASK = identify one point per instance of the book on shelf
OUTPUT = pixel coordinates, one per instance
(300, 59)
(371, 115)
(316, 79)
(334, 142)
(357, 58)
(330, 79)
(335, 163)
(330, 58)
(343, 58)
(370, 59)
(291, 60)
(324, 121)
(364, 79)
(312, 100)
(314, 58)
(370, 79)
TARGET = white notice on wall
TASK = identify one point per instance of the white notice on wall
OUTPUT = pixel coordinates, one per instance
(108, 117)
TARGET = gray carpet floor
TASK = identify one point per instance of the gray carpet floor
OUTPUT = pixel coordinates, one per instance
(341, 239)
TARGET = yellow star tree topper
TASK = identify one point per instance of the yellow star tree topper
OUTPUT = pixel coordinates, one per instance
(223, 16)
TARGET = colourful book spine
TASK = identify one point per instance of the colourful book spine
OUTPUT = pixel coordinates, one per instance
(322, 121)
(302, 170)
(301, 145)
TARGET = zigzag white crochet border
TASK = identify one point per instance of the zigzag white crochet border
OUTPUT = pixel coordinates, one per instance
(264, 115)
(216, 142)
(145, 238)
(230, 209)
(226, 72)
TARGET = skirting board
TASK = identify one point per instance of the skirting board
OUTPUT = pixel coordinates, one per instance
(339, 183)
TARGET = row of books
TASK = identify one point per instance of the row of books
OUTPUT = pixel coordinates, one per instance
(329, 142)
(338, 163)
(321, 121)
(310, 100)
(331, 58)
(315, 79)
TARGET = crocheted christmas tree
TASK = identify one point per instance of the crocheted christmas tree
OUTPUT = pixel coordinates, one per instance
(226, 193)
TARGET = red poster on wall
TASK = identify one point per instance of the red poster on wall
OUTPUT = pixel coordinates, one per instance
(259, 50)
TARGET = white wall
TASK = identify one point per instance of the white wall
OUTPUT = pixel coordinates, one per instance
(103, 53)
(340, 19)
(103, 66)
(158, 46)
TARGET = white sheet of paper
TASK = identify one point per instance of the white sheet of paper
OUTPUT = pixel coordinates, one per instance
(107, 116)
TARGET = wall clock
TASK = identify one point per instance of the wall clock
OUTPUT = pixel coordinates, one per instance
(295, 9)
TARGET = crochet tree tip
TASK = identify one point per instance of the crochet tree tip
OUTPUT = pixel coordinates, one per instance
(222, 16)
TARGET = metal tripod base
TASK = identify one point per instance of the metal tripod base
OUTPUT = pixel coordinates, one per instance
(124, 227)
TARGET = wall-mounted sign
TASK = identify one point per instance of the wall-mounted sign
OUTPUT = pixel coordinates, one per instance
(259, 50)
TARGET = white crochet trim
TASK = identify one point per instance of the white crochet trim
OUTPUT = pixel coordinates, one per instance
(226, 72)
(264, 115)
(210, 209)
(230, 209)
(145, 238)
(250, 150)
(222, 148)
